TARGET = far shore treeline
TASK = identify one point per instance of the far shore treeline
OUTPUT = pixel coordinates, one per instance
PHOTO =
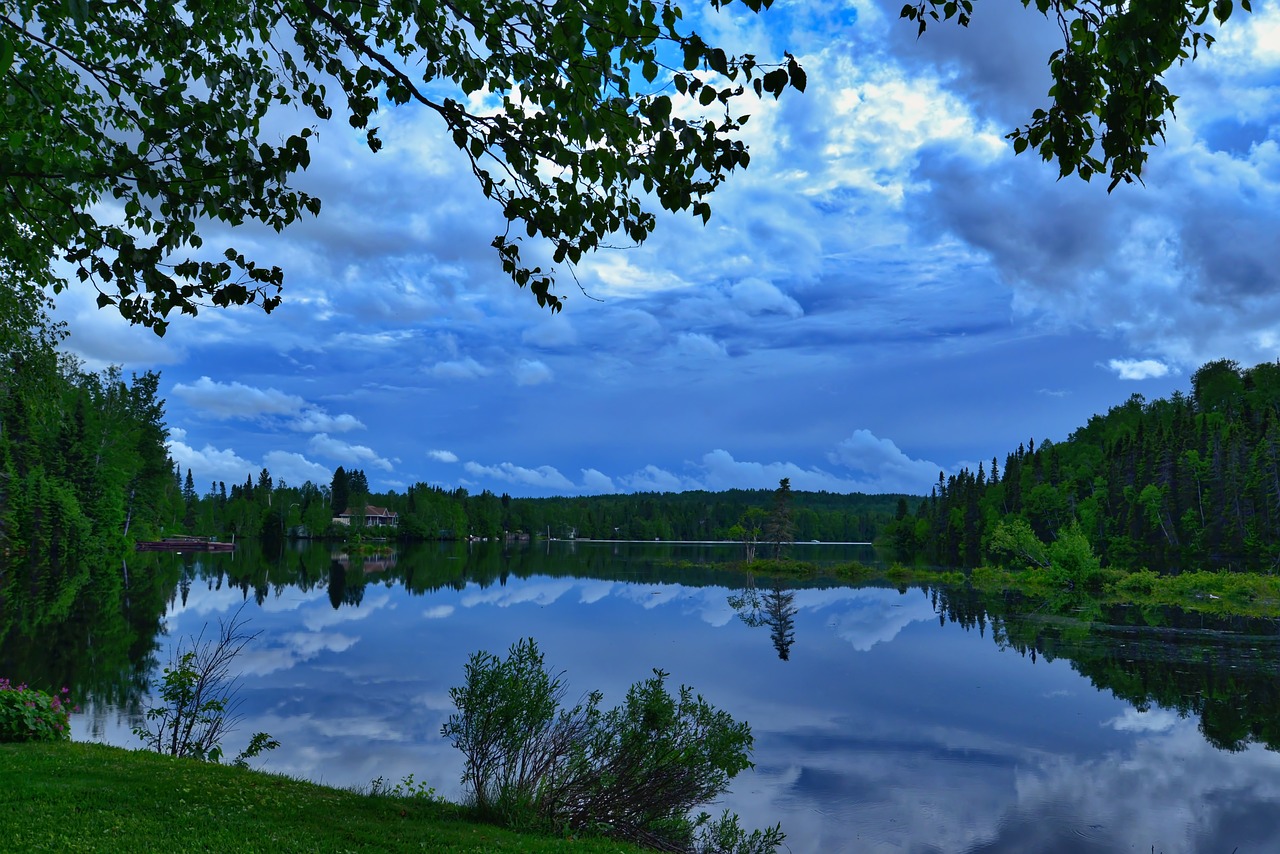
(1188, 482)
(425, 512)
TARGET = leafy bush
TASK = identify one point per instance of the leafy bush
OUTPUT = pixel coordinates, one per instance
(634, 772)
(30, 715)
(1142, 583)
(1073, 562)
(198, 700)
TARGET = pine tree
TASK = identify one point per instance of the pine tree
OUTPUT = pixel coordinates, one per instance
(779, 527)
(339, 491)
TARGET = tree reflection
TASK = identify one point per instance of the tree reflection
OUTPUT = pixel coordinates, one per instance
(1220, 671)
(775, 609)
(780, 614)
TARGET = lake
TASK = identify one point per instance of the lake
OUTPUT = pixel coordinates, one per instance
(886, 720)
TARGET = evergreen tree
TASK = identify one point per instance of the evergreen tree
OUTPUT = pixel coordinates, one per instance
(339, 491)
(779, 527)
(189, 499)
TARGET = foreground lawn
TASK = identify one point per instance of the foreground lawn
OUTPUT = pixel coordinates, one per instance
(90, 797)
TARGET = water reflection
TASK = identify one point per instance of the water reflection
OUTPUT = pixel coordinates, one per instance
(775, 609)
(933, 720)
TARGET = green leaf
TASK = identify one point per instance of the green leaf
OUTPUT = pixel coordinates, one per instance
(6, 52)
(775, 81)
(799, 80)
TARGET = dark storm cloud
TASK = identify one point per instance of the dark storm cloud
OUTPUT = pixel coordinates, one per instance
(1181, 267)
(999, 63)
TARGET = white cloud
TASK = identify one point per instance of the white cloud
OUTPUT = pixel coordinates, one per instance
(884, 464)
(879, 465)
(873, 618)
(443, 456)
(757, 296)
(224, 464)
(529, 593)
(319, 421)
(438, 612)
(294, 468)
(721, 471)
(296, 647)
(699, 345)
(1152, 720)
(543, 477)
(531, 372)
(317, 619)
(1135, 369)
(596, 483)
(237, 400)
(356, 455)
(552, 333)
(459, 369)
(210, 463)
(653, 479)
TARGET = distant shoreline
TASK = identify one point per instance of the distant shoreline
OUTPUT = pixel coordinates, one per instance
(706, 542)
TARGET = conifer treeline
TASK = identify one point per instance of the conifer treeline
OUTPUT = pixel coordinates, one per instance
(268, 508)
(1184, 482)
(83, 462)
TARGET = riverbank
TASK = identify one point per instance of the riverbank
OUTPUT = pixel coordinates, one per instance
(91, 797)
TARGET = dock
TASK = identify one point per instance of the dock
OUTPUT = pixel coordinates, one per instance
(184, 544)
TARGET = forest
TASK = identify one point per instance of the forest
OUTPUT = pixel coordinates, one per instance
(271, 509)
(84, 467)
(1184, 483)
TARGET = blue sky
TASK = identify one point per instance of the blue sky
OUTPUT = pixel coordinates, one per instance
(886, 293)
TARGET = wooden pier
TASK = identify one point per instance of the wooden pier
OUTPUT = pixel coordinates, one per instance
(184, 544)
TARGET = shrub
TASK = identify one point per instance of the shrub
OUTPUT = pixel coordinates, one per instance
(1140, 583)
(634, 772)
(30, 715)
(199, 700)
(1073, 562)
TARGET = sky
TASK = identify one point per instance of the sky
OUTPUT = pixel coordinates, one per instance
(886, 293)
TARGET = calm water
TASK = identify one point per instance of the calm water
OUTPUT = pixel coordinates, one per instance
(885, 721)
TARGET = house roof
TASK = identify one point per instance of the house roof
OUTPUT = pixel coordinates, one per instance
(370, 510)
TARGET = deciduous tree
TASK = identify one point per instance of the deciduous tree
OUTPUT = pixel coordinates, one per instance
(129, 126)
(1108, 99)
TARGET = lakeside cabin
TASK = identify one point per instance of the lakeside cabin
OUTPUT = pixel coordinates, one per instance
(374, 517)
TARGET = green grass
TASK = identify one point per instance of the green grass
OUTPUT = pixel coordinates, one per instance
(1221, 593)
(91, 797)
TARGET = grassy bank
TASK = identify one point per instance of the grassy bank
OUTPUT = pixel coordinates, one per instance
(90, 797)
(1220, 593)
